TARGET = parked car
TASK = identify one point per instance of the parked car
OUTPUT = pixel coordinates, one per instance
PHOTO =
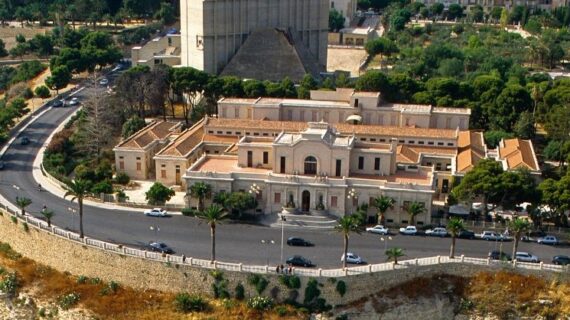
(409, 230)
(499, 255)
(437, 232)
(156, 212)
(299, 261)
(352, 258)
(74, 101)
(160, 247)
(526, 257)
(57, 103)
(294, 241)
(466, 234)
(561, 260)
(493, 236)
(533, 236)
(548, 240)
(104, 81)
(24, 140)
(379, 229)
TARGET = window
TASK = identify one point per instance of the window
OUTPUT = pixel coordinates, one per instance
(362, 139)
(282, 169)
(211, 131)
(228, 132)
(338, 167)
(265, 134)
(121, 165)
(430, 143)
(401, 141)
(314, 116)
(265, 157)
(256, 133)
(411, 142)
(121, 157)
(360, 163)
(380, 119)
(277, 198)
(219, 132)
(163, 174)
(450, 144)
(406, 204)
(448, 123)
(326, 116)
(438, 166)
(440, 143)
(302, 115)
(371, 202)
(420, 142)
(139, 166)
(236, 112)
(289, 115)
(376, 164)
(250, 159)
(332, 4)
(462, 124)
(238, 133)
(310, 165)
(334, 201)
(382, 140)
(223, 112)
(373, 139)
(428, 164)
(138, 158)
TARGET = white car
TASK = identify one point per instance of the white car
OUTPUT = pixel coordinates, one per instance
(437, 232)
(352, 258)
(526, 257)
(104, 81)
(379, 229)
(74, 101)
(493, 236)
(409, 230)
(548, 240)
(156, 212)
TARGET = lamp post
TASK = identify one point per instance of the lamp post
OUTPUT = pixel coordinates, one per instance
(352, 195)
(72, 211)
(267, 243)
(283, 219)
(254, 189)
(385, 240)
(156, 229)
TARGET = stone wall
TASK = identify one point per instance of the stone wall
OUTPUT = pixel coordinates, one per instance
(78, 259)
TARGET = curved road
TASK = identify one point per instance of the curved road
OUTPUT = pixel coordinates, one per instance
(235, 242)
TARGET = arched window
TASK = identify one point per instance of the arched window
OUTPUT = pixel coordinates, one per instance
(310, 165)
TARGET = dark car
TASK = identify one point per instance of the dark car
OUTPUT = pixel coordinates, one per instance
(293, 241)
(300, 262)
(57, 104)
(24, 141)
(1, 165)
(467, 234)
(499, 255)
(561, 260)
(160, 247)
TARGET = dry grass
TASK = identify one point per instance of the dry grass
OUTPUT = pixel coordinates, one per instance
(125, 303)
(8, 34)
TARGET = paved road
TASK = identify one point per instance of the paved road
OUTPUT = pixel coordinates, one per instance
(235, 242)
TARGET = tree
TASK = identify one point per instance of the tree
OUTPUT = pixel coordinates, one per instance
(381, 46)
(382, 204)
(192, 83)
(454, 227)
(254, 88)
(513, 100)
(518, 227)
(23, 203)
(166, 13)
(394, 254)
(240, 202)
(59, 79)
(42, 92)
(346, 225)
(48, 214)
(373, 80)
(336, 21)
(524, 128)
(307, 84)
(158, 194)
(437, 8)
(70, 58)
(454, 11)
(496, 13)
(556, 195)
(95, 129)
(3, 52)
(99, 49)
(504, 18)
(77, 189)
(131, 126)
(414, 209)
(493, 137)
(201, 191)
(213, 215)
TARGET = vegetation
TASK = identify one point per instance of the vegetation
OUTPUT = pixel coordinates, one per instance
(48, 215)
(394, 254)
(519, 227)
(213, 215)
(347, 225)
(158, 194)
(382, 204)
(201, 191)
(185, 302)
(414, 209)
(454, 227)
(260, 303)
(77, 189)
(23, 203)
(258, 282)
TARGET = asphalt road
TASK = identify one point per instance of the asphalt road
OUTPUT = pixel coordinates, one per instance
(235, 242)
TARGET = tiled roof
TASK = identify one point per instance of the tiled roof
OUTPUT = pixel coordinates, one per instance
(360, 130)
(471, 149)
(156, 131)
(182, 145)
(411, 154)
(518, 154)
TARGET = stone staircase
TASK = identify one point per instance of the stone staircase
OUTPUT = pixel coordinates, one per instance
(305, 221)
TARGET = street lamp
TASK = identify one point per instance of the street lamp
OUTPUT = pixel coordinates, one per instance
(72, 211)
(352, 195)
(385, 240)
(283, 219)
(156, 229)
(267, 243)
(255, 189)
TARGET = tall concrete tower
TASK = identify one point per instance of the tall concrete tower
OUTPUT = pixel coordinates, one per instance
(213, 31)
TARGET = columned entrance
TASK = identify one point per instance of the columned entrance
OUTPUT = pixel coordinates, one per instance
(306, 201)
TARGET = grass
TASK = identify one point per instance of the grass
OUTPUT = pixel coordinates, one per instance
(114, 301)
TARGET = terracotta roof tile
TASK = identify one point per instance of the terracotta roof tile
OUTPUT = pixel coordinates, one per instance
(185, 142)
(155, 131)
(411, 154)
(471, 150)
(518, 154)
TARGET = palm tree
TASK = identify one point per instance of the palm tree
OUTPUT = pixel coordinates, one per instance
(48, 214)
(518, 226)
(22, 203)
(77, 189)
(346, 225)
(454, 227)
(414, 209)
(212, 215)
(394, 254)
(382, 204)
(201, 191)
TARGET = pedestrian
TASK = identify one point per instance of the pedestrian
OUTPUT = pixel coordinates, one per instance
(282, 268)
(183, 259)
(290, 269)
(277, 270)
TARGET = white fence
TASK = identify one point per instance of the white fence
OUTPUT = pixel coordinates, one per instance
(201, 263)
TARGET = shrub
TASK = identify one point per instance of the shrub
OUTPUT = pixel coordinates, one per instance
(240, 291)
(184, 302)
(291, 282)
(158, 194)
(189, 212)
(260, 303)
(95, 281)
(9, 252)
(9, 284)
(122, 178)
(68, 301)
(281, 311)
(341, 288)
(81, 279)
(25, 226)
(28, 93)
(14, 219)
(259, 282)
(42, 92)
(102, 187)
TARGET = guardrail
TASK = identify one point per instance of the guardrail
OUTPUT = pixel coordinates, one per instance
(264, 269)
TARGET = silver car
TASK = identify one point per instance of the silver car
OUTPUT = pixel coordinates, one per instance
(526, 257)
(352, 258)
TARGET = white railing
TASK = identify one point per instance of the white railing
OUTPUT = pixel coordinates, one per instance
(207, 264)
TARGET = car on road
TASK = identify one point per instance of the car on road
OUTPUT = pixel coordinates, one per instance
(160, 247)
(466, 234)
(104, 81)
(522, 256)
(533, 236)
(156, 212)
(352, 258)
(379, 229)
(493, 236)
(561, 260)
(300, 261)
(437, 232)
(499, 255)
(295, 241)
(548, 240)
(24, 141)
(74, 101)
(409, 230)
(2, 165)
(57, 103)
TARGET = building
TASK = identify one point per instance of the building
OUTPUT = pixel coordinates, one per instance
(342, 106)
(161, 50)
(213, 31)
